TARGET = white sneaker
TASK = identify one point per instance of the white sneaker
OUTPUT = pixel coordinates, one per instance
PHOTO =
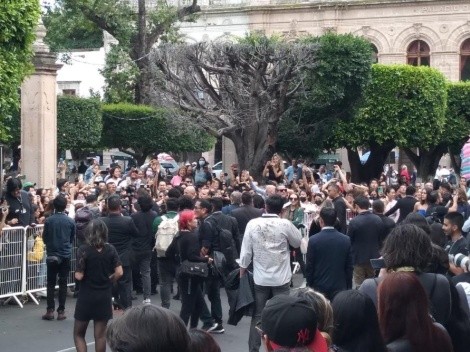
(41, 293)
(147, 301)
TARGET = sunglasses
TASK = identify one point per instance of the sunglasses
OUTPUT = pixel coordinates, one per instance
(293, 198)
(282, 190)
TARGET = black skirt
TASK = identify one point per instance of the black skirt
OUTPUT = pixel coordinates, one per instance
(94, 304)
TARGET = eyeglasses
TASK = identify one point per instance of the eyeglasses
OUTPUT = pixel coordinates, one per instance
(293, 198)
(197, 208)
(282, 190)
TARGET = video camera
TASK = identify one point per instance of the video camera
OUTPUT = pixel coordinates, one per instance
(460, 260)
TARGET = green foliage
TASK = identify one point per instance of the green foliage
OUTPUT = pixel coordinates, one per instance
(333, 89)
(120, 74)
(79, 123)
(458, 115)
(404, 104)
(18, 21)
(148, 130)
(68, 29)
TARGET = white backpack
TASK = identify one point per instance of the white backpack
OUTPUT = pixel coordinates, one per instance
(166, 232)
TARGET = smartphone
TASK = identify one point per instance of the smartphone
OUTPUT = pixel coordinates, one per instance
(380, 190)
(377, 263)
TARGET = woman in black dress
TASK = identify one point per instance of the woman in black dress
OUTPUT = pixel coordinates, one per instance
(98, 266)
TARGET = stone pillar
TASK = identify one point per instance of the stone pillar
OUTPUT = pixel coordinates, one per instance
(39, 117)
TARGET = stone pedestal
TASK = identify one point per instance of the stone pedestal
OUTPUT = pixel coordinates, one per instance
(39, 117)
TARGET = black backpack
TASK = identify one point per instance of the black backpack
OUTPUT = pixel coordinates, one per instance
(225, 244)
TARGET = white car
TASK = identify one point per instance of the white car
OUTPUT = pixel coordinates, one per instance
(217, 169)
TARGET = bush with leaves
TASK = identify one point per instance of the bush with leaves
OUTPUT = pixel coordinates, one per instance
(146, 130)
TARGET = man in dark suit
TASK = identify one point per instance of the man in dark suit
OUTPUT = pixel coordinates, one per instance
(245, 213)
(378, 208)
(121, 232)
(405, 205)
(366, 232)
(329, 258)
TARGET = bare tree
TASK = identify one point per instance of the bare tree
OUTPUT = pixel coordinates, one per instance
(237, 90)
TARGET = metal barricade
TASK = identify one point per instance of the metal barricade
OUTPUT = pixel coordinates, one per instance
(36, 270)
(12, 263)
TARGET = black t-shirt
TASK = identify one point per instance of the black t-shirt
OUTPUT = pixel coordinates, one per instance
(97, 266)
(459, 246)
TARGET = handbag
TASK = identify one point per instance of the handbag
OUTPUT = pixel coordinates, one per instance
(194, 269)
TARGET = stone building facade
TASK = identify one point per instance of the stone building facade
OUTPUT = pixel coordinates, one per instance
(429, 32)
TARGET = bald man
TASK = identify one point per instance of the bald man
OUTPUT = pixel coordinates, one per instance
(190, 191)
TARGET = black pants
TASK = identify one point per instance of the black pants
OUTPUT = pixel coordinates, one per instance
(192, 299)
(212, 289)
(60, 269)
(122, 292)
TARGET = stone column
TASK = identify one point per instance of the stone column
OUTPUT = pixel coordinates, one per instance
(39, 117)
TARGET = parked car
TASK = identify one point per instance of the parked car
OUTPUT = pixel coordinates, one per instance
(217, 169)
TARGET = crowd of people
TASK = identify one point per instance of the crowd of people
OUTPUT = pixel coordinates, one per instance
(384, 263)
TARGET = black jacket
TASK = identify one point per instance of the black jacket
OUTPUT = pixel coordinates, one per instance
(329, 264)
(20, 208)
(244, 214)
(121, 232)
(367, 232)
(388, 222)
(145, 235)
(240, 294)
(340, 207)
(405, 205)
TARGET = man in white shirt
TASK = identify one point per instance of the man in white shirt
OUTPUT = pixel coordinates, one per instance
(266, 243)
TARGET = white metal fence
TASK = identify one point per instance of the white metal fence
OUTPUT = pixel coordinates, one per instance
(23, 264)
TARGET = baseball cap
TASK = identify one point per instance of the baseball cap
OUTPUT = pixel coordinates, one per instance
(29, 184)
(291, 322)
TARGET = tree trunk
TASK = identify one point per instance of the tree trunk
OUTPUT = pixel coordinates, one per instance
(252, 148)
(456, 162)
(373, 166)
(427, 161)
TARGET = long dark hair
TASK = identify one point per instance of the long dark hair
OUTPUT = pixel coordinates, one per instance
(96, 233)
(404, 313)
(202, 341)
(356, 327)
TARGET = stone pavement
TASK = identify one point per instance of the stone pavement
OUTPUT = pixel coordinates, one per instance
(22, 330)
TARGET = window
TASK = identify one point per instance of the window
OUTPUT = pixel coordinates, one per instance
(465, 60)
(418, 54)
(375, 54)
(69, 92)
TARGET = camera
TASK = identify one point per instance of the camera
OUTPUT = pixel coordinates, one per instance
(460, 260)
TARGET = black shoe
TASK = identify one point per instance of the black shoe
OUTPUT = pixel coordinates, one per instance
(219, 329)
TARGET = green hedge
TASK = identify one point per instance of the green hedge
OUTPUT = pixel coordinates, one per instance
(79, 123)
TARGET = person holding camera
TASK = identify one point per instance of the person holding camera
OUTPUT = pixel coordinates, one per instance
(453, 222)
(58, 236)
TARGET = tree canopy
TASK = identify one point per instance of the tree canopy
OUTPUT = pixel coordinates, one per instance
(135, 25)
(403, 106)
(239, 90)
(18, 21)
(68, 29)
(333, 89)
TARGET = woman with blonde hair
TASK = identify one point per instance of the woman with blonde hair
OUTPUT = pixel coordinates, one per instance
(274, 169)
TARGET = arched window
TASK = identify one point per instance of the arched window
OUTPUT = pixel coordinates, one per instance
(465, 60)
(418, 54)
(375, 54)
